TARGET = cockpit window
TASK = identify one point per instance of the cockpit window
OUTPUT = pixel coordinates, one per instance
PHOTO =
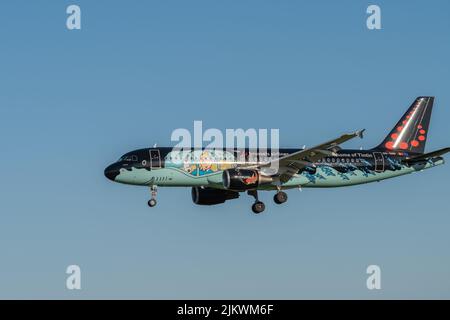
(129, 158)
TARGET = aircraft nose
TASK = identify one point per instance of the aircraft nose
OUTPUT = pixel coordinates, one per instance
(111, 172)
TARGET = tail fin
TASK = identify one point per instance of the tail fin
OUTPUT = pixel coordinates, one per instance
(410, 132)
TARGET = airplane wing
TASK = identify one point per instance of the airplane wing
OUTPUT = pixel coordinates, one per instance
(291, 164)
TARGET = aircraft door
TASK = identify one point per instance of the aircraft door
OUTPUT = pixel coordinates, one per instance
(155, 158)
(378, 161)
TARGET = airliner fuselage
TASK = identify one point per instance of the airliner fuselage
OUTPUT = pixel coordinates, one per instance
(204, 168)
(218, 175)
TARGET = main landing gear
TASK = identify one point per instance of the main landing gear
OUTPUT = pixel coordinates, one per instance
(258, 206)
(280, 197)
(153, 191)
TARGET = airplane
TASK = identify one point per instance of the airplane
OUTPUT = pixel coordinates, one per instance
(215, 179)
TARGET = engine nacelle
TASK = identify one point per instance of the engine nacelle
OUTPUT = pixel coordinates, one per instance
(211, 196)
(244, 179)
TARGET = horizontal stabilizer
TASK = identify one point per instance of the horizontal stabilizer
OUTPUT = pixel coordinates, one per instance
(426, 156)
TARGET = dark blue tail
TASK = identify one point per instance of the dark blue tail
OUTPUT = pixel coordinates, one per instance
(411, 131)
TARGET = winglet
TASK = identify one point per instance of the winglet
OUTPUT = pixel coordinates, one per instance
(360, 133)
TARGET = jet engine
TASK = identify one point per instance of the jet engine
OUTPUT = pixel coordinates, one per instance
(210, 196)
(244, 179)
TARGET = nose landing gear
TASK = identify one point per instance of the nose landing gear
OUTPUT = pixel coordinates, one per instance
(151, 203)
(153, 191)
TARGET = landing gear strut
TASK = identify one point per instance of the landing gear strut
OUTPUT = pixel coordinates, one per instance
(280, 197)
(153, 192)
(258, 206)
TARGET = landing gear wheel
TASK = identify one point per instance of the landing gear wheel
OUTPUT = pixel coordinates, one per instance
(151, 203)
(280, 197)
(258, 207)
(153, 191)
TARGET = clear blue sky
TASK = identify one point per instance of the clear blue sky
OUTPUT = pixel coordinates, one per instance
(71, 102)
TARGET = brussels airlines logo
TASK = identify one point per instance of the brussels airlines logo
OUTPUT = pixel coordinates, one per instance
(242, 146)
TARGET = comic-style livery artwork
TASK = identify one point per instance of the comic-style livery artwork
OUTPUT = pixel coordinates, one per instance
(200, 162)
